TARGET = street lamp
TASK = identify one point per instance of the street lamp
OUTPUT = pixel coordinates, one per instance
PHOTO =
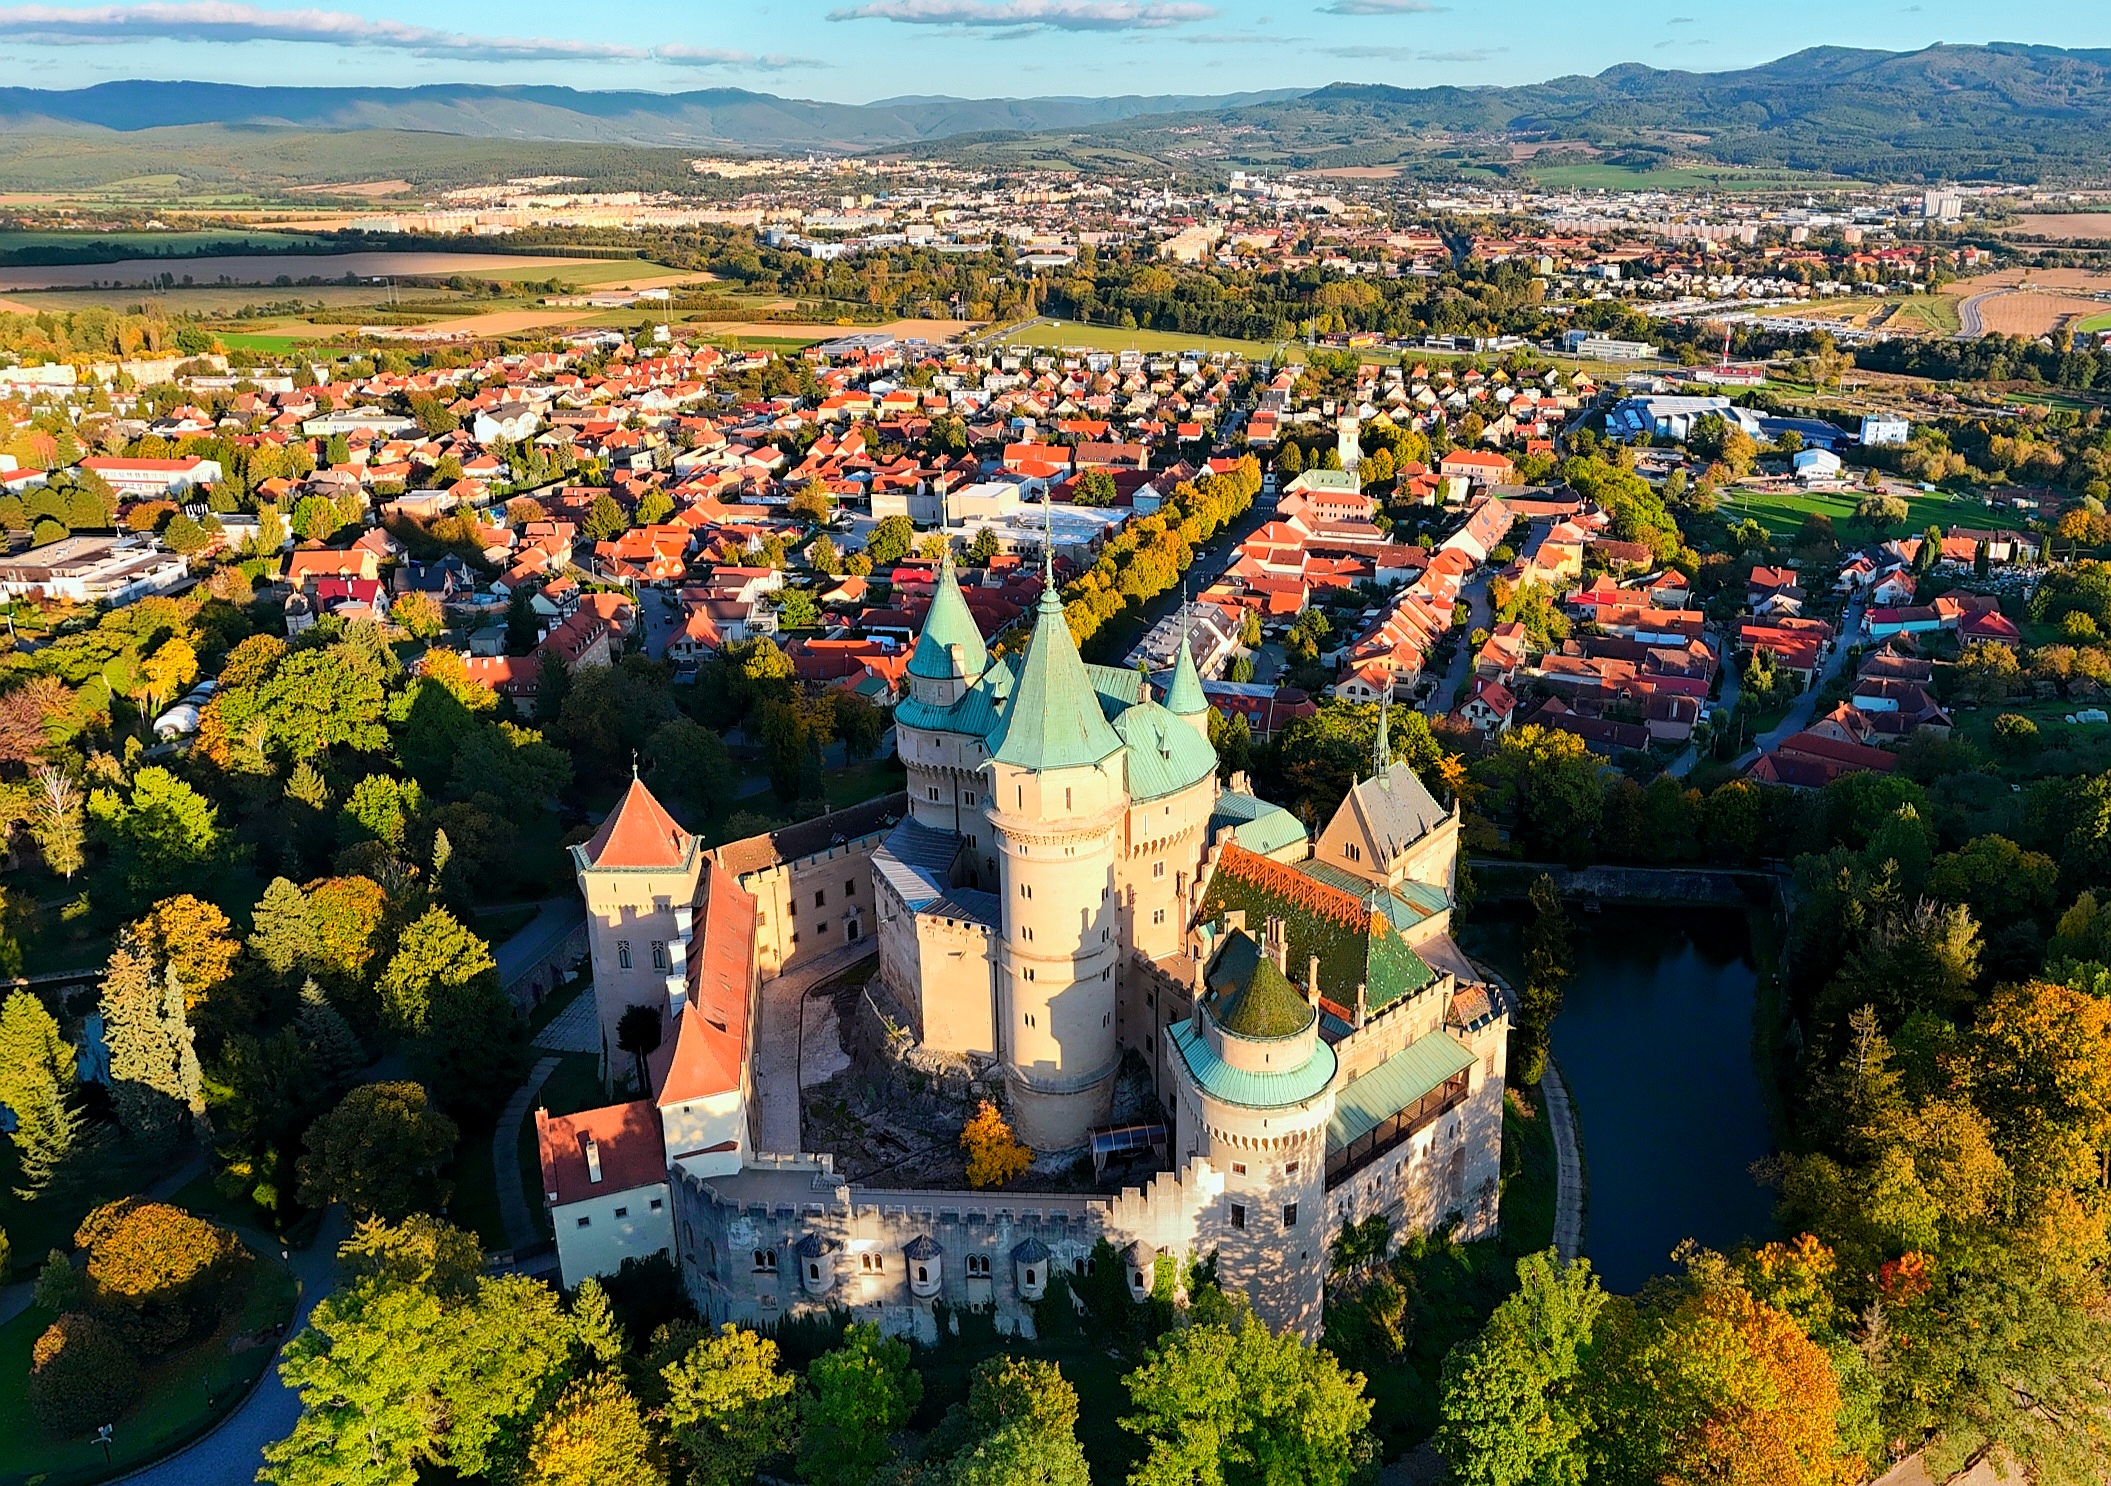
(102, 1437)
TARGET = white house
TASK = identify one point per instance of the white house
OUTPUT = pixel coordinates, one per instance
(140, 479)
(604, 1180)
(1885, 431)
(1816, 464)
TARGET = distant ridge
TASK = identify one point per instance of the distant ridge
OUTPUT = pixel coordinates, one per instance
(708, 118)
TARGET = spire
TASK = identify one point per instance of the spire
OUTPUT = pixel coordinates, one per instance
(948, 626)
(1183, 696)
(1382, 755)
(1053, 719)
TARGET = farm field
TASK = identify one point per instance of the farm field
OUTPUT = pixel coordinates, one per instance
(1600, 177)
(1782, 512)
(152, 243)
(2064, 226)
(1932, 314)
(268, 269)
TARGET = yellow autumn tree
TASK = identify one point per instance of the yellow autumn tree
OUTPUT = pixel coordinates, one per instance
(994, 1153)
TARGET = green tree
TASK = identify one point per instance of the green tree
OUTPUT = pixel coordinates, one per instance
(1513, 1410)
(796, 609)
(1548, 965)
(689, 762)
(315, 700)
(441, 988)
(284, 933)
(593, 1434)
(984, 548)
(729, 1406)
(823, 558)
(160, 836)
(605, 520)
(155, 1080)
(382, 809)
(1233, 1405)
(381, 1152)
(38, 1072)
(890, 541)
(435, 954)
(1017, 1428)
(1232, 736)
(1094, 487)
(595, 1325)
(863, 1392)
(655, 507)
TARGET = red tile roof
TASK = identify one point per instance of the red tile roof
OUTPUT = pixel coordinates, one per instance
(707, 1053)
(625, 1137)
(639, 833)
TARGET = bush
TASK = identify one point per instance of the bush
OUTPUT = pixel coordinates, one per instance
(82, 1376)
(2015, 736)
(155, 1273)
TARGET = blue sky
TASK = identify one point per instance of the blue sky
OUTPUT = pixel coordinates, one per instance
(859, 50)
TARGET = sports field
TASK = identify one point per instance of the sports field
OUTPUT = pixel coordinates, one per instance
(1782, 512)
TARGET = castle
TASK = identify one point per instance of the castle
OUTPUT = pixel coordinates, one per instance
(1066, 884)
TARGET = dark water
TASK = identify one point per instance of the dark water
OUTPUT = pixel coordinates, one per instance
(1655, 1040)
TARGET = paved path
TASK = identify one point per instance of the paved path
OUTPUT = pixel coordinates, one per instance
(778, 1047)
(1475, 597)
(576, 1029)
(521, 1232)
(555, 918)
(1568, 1164)
(1800, 710)
(232, 1453)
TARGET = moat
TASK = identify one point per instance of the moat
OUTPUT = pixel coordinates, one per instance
(1657, 1042)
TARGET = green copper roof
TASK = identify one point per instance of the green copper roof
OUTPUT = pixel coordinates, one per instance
(1256, 824)
(1164, 754)
(1241, 1086)
(1356, 941)
(1394, 1085)
(972, 716)
(1249, 997)
(1118, 689)
(1053, 720)
(948, 624)
(1183, 698)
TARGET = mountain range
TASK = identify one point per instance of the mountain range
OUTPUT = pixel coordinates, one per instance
(2008, 112)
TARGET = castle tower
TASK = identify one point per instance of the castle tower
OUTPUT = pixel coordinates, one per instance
(639, 877)
(1056, 804)
(1183, 695)
(948, 660)
(1253, 1084)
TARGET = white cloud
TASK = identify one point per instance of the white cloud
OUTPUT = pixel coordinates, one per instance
(217, 20)
(226, 22)
(1381, 7)
(1038, 15)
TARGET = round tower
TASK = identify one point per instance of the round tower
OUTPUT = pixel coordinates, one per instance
(1055, 811)
(1255, 1088)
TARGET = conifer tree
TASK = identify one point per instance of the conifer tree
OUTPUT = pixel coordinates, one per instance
(328, 1037)
(154, 1076)
(38, 1072)
(285, 929)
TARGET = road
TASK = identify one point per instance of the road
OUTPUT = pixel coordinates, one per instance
(1475, 595)
(1724, 706)
(1800, 710)
(1969, 326)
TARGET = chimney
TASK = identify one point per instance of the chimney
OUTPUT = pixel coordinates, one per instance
(1312, 980)
(1363, 1004)
(1278, 945)
(592, 1147)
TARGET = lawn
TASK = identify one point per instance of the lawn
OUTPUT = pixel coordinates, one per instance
(861, 782)
(181, 1398)
(1069, 334)
(1933, 313)
(2095, 323)
(34, 1229)
(1782, 512)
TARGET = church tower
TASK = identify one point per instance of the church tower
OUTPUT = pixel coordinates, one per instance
(1056, 803)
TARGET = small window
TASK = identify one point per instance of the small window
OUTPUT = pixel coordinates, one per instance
(967, 797)
(1158, 869)
(1026, 890)
(1026, 932)
(934, 794)
(850, 889)
(659, 954)
(978, 1266)
(1029, 972)
(622, 1212)
(766, 1261)
(923, 1274)
(1290, 1168)
(1066, 797)
(1355, 852)
(1289, 1215)
(623, 953)
(1157, 915)
(657, 1205)
(1238, 1168)
(1238, 1215)
(813, 1270)
(585, 1222)
(820, 897)
(1022, 796)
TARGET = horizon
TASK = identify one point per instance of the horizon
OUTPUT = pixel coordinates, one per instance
(879, 51)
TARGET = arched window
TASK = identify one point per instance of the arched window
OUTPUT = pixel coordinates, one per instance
(623, 953)
(659, 954)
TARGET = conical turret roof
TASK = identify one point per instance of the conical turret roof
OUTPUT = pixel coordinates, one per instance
(1053, 720)
(1183, 698)
(948, 624)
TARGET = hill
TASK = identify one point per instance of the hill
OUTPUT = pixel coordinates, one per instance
(2011, 112)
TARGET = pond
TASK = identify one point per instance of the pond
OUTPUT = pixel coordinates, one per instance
(1656, 1041)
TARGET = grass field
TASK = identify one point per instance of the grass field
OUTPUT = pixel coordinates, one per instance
(180, 1398)
(1062, 334)
(1934, 313)
(154, 243)
(1782, 512)
(2095, 323)
(1594, 177)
